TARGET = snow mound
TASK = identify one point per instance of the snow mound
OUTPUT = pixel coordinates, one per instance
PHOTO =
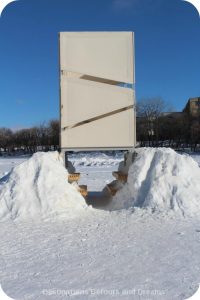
(161, 180)
(39, 187)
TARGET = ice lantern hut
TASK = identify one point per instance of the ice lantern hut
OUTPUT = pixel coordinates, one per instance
(97, 96)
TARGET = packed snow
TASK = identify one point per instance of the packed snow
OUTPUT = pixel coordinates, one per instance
(96, 159)
(7, 163)
(39, 187)
(196, 157)
(101, 256)
(124, 254)
(163, 181)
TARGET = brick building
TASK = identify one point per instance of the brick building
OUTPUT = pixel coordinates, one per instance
(192, 107)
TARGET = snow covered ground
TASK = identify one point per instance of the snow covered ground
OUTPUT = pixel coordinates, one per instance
(196, 157)
(100, 255)
(6, 164)
(96, 169)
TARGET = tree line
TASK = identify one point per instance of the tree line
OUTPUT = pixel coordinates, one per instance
(43, 137)
(157, 126)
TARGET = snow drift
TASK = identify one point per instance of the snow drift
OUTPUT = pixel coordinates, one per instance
(39, 186)
(96, 159)
(161, 180)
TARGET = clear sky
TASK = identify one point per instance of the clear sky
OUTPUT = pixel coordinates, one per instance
(167, 38)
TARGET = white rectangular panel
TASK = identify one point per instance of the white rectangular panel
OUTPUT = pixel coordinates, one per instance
(116, 131)
(83, 99)
(96, 113)
(101, 54)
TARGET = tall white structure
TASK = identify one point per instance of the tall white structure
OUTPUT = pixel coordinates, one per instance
(96, 91)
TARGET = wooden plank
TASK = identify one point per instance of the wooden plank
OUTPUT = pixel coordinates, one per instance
(120, 176)
(73, 177)
(111, 189)
(83, 190)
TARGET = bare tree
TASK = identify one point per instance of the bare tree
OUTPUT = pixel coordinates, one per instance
(148, 112)
(5, 138)
(151, 108)
(54, 129)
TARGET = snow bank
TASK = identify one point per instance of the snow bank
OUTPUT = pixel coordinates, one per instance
(161, 180)
(39, 186)
(96, 159)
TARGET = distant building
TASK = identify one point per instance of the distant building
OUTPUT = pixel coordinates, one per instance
(192, 107)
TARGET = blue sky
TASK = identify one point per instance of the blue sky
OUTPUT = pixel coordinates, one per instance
(167, 39)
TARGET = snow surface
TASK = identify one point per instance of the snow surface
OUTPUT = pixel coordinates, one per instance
(161, 180)
(39, 187)
(196, 157)
(126, 254)
(96, 159)
(100, 254)
(96, 168)
(7, 163)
